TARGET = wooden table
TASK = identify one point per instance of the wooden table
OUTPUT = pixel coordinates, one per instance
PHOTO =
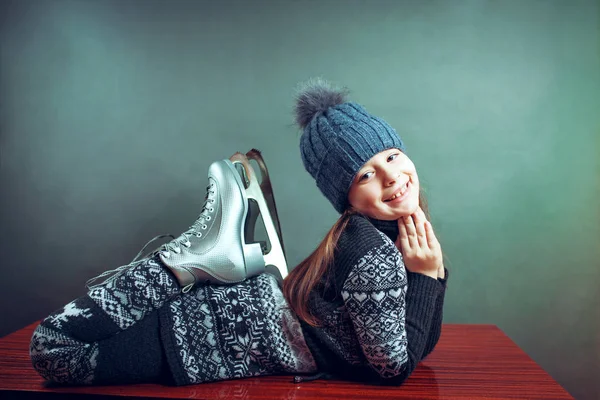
(469, 362)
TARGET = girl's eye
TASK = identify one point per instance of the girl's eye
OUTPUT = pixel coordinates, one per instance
(392, 157)
(365, 176)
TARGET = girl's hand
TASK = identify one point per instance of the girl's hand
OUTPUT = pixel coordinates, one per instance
(420, 248)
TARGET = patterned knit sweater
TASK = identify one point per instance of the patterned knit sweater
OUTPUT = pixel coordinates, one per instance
(378, 320)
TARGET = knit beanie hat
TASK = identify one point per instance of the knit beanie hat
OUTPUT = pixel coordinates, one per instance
(338, 138)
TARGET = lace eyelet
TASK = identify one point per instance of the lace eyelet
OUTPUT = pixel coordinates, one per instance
(211, 209)
(208, 217)
(199, 235)
(204, 226)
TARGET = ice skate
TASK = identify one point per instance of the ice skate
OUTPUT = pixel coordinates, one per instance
(262, 202)
(214, 249)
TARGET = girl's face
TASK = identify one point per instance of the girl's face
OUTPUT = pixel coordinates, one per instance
(386, 187)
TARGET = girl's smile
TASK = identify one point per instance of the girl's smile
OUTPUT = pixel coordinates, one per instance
(401, 194)
(386, 187)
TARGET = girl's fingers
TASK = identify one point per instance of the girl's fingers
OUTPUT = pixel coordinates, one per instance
(411, 232)
(419, 218)
(403, 236)
(431, 239)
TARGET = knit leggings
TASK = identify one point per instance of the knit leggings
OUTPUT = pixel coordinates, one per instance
(110, 335)
(139, 328)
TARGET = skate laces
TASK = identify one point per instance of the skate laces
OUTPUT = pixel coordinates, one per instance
(119, 271)
(196, 228)
(172, 246)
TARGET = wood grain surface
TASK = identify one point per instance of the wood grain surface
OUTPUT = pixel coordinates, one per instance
(469, 362)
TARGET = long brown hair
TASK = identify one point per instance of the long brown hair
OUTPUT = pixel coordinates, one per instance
(305, 277)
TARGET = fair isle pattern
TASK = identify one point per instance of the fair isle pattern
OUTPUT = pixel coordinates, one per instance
(287, 339)
(338, 324)
(67, 313)
(137, 291)
(225, 332)
(59, 358)
(195, 337)
(374, 294)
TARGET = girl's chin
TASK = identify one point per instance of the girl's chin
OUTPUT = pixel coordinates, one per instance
(397, 214)
(391, 213)
(391, 216)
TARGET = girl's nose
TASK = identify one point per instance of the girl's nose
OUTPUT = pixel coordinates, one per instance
(390, 177)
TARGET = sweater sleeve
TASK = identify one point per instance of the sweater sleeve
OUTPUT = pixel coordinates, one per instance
(438, 315)
(391, 317)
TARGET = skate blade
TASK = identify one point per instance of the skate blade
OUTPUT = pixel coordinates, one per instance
(267, 190)
(275, 255)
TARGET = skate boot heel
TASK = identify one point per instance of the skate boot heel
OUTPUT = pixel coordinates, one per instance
(252, 264)
(254, 260)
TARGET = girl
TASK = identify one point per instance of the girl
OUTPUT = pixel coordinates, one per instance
(365, 305)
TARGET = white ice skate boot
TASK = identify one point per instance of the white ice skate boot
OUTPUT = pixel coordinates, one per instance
(214, 249)
(219, 247)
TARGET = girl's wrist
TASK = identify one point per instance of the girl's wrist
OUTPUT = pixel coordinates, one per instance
(431, 274)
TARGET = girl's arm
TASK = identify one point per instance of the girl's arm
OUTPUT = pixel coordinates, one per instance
(422, 255)
(436, 323)
(391, 318)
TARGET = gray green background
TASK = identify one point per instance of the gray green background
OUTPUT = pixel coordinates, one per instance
(112, 111)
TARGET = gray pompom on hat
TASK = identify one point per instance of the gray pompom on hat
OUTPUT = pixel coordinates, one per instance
(338, 138)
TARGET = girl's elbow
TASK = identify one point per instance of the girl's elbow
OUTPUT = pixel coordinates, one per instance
(397, 376)
(394, 380)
